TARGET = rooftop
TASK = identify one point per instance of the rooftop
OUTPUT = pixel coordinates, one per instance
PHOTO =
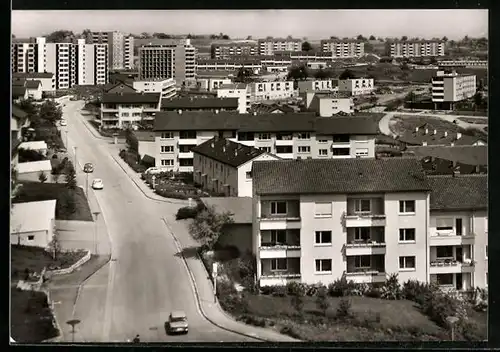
(32, 75)
(462, 192)
(469, 155)
(130, 98)
(35, 145)
(18, 91)
(338, 176)
(199, 103)
(240, 207)
(146, 136)
(34, 166)
(17, 112)
(32, 216)
(227, 152)
(233, 86)
(33, 84)
(217, 73)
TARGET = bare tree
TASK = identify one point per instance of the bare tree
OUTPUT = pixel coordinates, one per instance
(55, 246)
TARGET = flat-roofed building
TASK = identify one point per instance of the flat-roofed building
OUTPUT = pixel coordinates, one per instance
(121, 110)
(164, 86)
(451, 87)
(343, 48)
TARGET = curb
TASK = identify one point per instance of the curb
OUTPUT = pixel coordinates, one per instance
(93, 131)
(138, 186)
(195, 287)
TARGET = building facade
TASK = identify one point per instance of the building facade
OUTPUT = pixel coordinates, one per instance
(286, 135)
(270, 45)
(47, 80)
(175, 59)
(120, 48)
(121, 110)
(263, 91)
(343, 48)
(415, 48)
(330, 103)
(227, 50)
(237, 90)
(452, 87)
(356, 86)
(164, 86)
(318, 85)
(212, 84)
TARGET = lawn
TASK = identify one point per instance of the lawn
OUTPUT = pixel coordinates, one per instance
(27, 259)
(31, 317)
(36, 191)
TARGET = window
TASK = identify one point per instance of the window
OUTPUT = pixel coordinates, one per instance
(125, 114)
(304, 149)
(167, 148)
(284, 149)
(444, 224)
(361, 234)
(278, 208)
(444, 252)
(341, 138)
(458, 227)
(322, 140)
(486, 251)
(264, 136)
(284, 137)
(406, 263)
(362, 262)
(279, 264)
(167, 162)
(186, 162)
(341, 151)
(31, 238)
(278, 236)
(167, 135)
(186, 148)
(323, 209)
(444, 279)
(407, 206)
(323, 265)
(361, 152)
(323, 237)
(187, 135)
(406, 235)
(362, 205)
(248, 175)
(266, 149)
(304, 135)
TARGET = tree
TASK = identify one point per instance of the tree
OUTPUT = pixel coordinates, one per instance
(404, 37)
(42, 177)
(306, 46)
(322, 74)
(145, 35)
(369, 47)
(162, 36)
(244, 75)
(49, 111)
(55, 178)
(298, 73)
(322, 300)
(87, 35)
(225, 37)
(55, 246)
(445, 39)
(207, 226)
(372, 37)
(478, 99)
(334, 37)
(360, 37)
(347, 74)
(249, 37)
(30, 109)
(70, 176)
(60, 36)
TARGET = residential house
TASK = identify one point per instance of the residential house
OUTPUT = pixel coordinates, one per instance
(318, 85)
(164, 86)
(415, 48)
(459, 231)
(343, 48)
(33, 223)
(34, 89)
(239, 91)
(321, 220)
(30, 171)
(431, 135)
(240, 48)
(211, 84)
(271, 108)
(327, 104)
(214, 104)
(47, 80)
(19, 122)
(262, 91)
(253, 64)
(269, 45)
(19, 90)
(451, 87)
(119, 110)
(145, 143)
(223, 166)
(39, 146)
(356, 86)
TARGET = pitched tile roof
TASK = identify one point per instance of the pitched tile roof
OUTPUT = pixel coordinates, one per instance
(18, 112)
(33, 84)
(366, 125)
(18, 82)
(130, 98)
(240, 207)
(33, 75)
(118, 88)
(227, 152)
(199, 103)
(469, 155)
(344, 176)
(462, 192)
(146, 136)
(18, 92)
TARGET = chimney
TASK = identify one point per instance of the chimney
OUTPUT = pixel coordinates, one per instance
(216, 111)
(224, 149)
(459, 135)
(416, 129)
(212, 144)
(255, 113)
(435, 132)
(446, 133)
(180, 112)
(426, 131)
(424, 143)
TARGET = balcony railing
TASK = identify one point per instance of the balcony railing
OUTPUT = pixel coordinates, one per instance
(365, 271)
(361, 244)
(280, 274)
(451, 262)
(275, 245)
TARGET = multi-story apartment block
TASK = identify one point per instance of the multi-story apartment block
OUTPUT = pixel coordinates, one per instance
(451, 87)
(321, 220)
(226, 50)
(121, 110)
(318, 85)
(463, 63)
(71, 63)
(415, 48)
(458, 254)
(173, 59)
(286, 135)
(356, 86)
(269, 45)
(343, 48)
(237, 90)
(263, 91)
(327, 104)
(46, 79)
(224, 166)
(212, 84)
(120, 48)
(312, 56)
(207, 104)
(164, 86)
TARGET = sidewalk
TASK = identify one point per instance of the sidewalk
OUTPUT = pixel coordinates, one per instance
(203, 288)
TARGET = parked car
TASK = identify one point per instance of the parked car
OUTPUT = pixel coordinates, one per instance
(64, 123)
(97, 184)
(88, 167)
(177, 322)
(152, 171)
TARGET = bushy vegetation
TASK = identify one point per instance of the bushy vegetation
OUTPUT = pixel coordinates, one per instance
(27, 155)
(189, 212)
(133, 160)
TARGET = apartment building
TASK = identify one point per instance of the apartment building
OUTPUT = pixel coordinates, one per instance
(286, 135)
(356, 86)
(173, 59)
(236, 90)
(164, 86)
(458, 230)
(318, 85)
(269, 45)
(415, 48)
(327, 104)
(46, 79)
(264, 91)
(71, 63)
(212, 84)
(208, 104)
(464, 63)
(451, 87)
(305, 56)
(120, 48)
(232, 64)
(227, 50)
(343, 48)
(121, 110)
(321, 220)
(223, 166)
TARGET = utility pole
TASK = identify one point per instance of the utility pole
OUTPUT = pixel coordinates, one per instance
(96, 214)
(76, 160)
(66, 139)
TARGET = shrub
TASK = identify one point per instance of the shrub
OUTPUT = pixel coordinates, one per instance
(266, 290)
(344, 308)
(343, 287)
(252, 320)
(415, 291)
(470, 330)
(322, 300)
(298, 303)
(438, 306)
(373, 291)
(295, 289)
(186, 213)
(290, 331)
(392, 289)
(312, 290)
(170, 194)
(279, 291)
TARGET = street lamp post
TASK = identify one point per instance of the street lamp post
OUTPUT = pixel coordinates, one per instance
(66, 138)
(76, 160)
(72, 323)
(96, 214)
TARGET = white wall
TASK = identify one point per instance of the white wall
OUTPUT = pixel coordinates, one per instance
(241, 94)
(244, 184)
(41, 238)
(349, 85)
(35, 94)
(331, 106)
(147, 148)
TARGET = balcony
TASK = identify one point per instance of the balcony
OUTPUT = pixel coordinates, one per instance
(366, 268)
(188, 141)
(451, 266)
(366, 276)
(279, 271)
(451, 239)
(186, 155)
(280, 244)
(282, 142)
(280, 215)
(365, 212)
(110, 117)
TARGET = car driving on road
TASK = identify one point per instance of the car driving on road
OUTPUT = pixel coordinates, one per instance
(97, 184)
(88, 167)
(177, 322)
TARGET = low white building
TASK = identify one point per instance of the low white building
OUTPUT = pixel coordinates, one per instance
(164, 86)
(223, 166)
(357, 86)
(39, 146)
(327, 104)
(318, 85)
(47, 80)
(452, 87)
(211, 84)
(33, 223)
(236, 90)
(34, 89)
(30, 171)
(145, 143)
(262, 91)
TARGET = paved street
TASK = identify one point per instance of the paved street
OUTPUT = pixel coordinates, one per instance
(146, 279)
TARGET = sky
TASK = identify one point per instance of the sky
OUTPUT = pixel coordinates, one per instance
(313, 24)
